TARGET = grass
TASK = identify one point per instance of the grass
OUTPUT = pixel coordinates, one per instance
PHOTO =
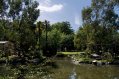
(70, 53)
(79, 56)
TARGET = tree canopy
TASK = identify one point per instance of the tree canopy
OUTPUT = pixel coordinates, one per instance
(99, 32)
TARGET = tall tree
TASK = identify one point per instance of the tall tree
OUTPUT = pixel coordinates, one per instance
(18, 24)
(102, 19)
(53, 42)
(3, 17)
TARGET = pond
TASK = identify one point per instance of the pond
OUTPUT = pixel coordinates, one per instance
(67, 70)
(63, 68)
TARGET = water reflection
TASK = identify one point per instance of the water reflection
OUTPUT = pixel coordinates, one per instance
(64, 69)
(73, 75)
(67, 70)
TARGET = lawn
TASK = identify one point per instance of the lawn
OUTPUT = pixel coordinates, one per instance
(70, 53)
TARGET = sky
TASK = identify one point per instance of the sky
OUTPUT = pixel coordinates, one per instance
(62, 10)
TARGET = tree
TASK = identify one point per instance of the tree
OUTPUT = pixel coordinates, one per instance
(99, 27)
(17, 18)
(53, 42)
(60, 36)
(63, 27)
(67, 35)
(17, 25)
(84, 38)
(23, 24)
(3, 14)
(67, 42)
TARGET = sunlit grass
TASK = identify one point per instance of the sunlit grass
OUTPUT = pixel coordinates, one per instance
(70, 53)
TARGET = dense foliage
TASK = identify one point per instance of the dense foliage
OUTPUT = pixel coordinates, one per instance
(31, 42)
(60, 37)
(99, 33)
(17, 25)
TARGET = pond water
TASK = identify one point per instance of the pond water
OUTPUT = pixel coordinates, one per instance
(67, 70)
(63, 69)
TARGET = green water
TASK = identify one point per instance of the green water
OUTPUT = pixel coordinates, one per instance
(66, 70)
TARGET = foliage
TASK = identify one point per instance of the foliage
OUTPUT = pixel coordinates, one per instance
(60, 36)
(99, 32)
(67, 35)
(66, 42)
(17, 23)
(63, 27)
(53, 42)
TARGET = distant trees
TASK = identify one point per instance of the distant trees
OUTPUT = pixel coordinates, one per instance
(63, 27)
(67, 42)
(99, 33)
(60, 37)
(67, 35)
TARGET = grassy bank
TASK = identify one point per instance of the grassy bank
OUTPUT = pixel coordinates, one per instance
(81, 57)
